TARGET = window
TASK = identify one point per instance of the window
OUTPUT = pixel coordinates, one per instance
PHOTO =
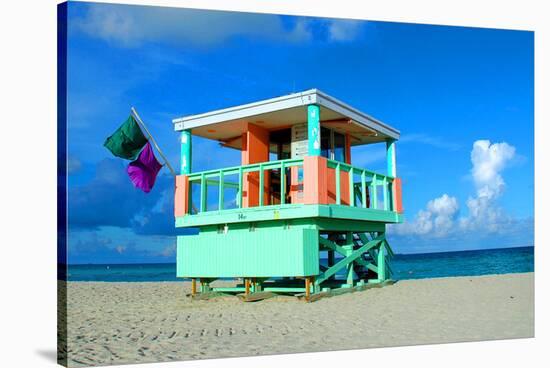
(325, 142)
(339, 147)
(333, 145)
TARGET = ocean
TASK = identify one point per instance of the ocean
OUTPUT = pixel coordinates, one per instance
(405, 266)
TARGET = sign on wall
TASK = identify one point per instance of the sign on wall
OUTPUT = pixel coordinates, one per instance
(298, 143)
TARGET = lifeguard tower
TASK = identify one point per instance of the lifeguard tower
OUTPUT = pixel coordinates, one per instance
(296, 216)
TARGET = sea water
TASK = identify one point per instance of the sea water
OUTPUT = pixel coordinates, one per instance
(404, 266)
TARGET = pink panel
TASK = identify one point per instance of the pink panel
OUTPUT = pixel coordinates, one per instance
(181, 196)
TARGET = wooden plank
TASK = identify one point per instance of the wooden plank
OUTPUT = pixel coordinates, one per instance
(254, 297)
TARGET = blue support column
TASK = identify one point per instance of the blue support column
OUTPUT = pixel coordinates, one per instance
(185, 167)
(390, 156)
(314, 130)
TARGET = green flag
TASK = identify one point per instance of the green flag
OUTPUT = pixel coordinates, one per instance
(127, 141)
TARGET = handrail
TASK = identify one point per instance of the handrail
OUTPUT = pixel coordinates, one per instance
(363, 193)
(247, 168)
(216, 178)
(331, 164)
(369, 179)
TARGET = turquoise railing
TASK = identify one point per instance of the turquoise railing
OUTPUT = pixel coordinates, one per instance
(362, 193)
(217, 178)
(370, 181)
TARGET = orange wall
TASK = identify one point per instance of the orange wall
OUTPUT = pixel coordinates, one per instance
(397, 196)
(181, 196)
(255, 149)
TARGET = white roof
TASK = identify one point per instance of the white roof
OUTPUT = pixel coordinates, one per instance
(275, 113)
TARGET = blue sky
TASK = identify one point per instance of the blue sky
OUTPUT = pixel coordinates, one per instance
(461, 97)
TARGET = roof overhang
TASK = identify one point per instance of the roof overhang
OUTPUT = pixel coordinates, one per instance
(227, 125)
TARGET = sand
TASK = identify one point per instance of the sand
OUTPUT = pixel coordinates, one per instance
(116, 323)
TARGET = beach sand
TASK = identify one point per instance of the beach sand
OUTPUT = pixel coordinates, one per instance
(117, 323)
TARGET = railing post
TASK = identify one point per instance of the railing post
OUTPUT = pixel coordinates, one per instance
(337, 177)
(240, 193)
(221, 196)
(351, 188)
(283, 184)
(363, 189)
(386, 197)
(261, 189)
(203, 193)
(374, 190)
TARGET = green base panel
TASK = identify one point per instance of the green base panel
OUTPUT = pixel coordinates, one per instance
(249, 252)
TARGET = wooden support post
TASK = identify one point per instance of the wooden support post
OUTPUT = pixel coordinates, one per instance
(193, 286)
(308, 286)
(246, 286)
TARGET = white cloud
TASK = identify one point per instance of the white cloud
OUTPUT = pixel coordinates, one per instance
(488, 160)
(440, 218)
(131, 26)
(343, 30)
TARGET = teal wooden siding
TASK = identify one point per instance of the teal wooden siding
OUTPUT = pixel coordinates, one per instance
(260, 252)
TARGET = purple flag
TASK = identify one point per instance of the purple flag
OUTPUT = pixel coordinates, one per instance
(143, 171)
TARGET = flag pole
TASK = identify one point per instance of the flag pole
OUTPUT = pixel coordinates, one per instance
(138, 119)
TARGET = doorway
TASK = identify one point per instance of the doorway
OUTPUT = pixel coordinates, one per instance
(279, 149)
